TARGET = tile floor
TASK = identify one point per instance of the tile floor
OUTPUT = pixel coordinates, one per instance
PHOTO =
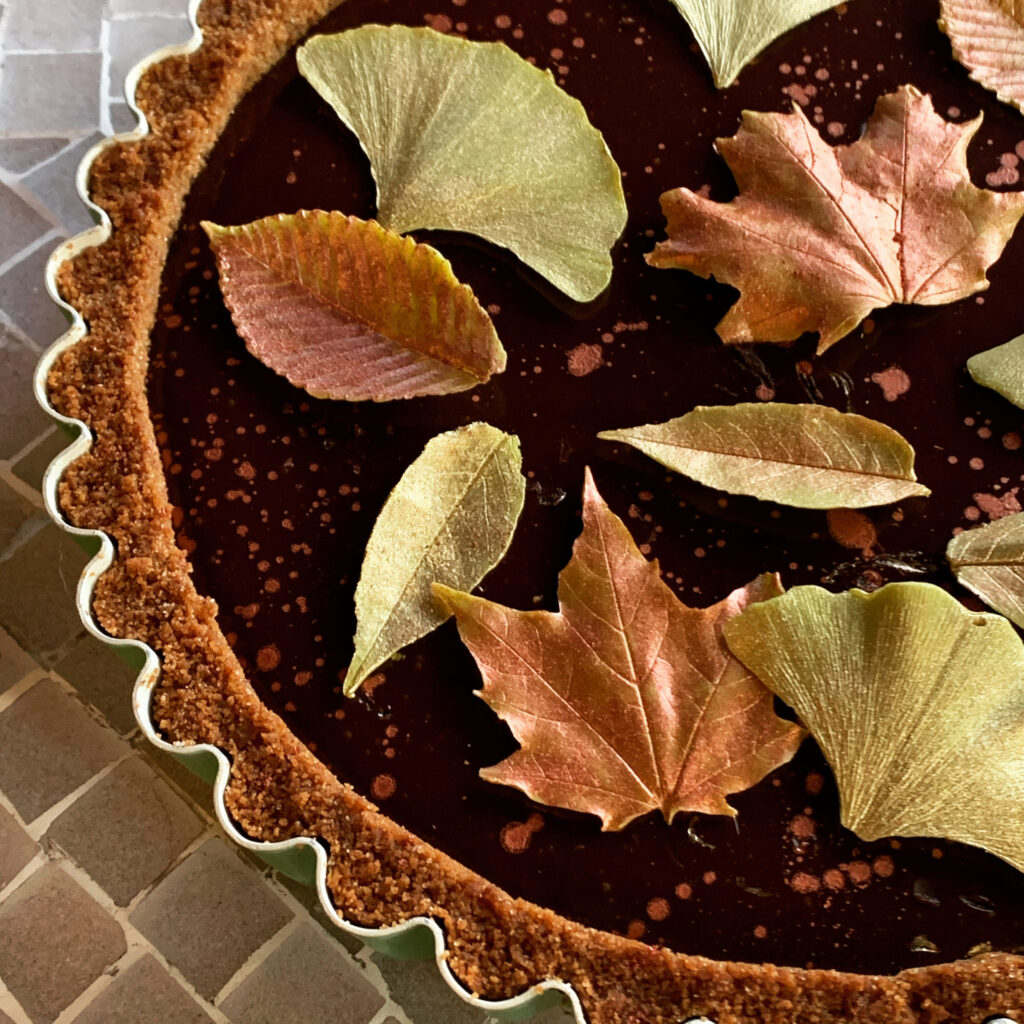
(120, 900)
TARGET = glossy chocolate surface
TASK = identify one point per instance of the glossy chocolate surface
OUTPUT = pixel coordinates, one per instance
(277, 492)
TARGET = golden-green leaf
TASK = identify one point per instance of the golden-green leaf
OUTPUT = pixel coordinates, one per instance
(346, 309)
(988, 39)
(731, 33)
(624, 700)
(468, 136)
(916, 702)
(450, 518)
(810, 456)
(1001, 369)
(990, 561)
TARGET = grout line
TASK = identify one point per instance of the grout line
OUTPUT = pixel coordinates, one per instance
(135, 938)
(51, 240)
(19, 689)
(39, 859)
(257, 958)
(104, 104)
(389, 1011)
(39, 826)
(9, 477)
(205, 835)
(130, 957)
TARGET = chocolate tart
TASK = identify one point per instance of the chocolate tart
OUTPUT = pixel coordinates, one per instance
(239, 509)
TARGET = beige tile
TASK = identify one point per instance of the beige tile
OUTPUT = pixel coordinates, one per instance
(126, 831)
(46, 968)
(304, 981)
(209, 915)
(50, 747)
(144, 992)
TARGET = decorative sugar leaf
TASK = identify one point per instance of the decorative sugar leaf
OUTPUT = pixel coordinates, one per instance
(917, 703)
(988, 39)
(450, 518)
(346, 309)
(470, 137)
(810, 456)
(625, 700)
(821, 235)
(732, 32)
(1001, 369)
(990, 561)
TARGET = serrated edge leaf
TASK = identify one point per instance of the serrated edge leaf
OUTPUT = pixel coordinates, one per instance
(655, 440)
(420, 535)
(582, 274)
(968, 29)
(403, 292)
(989, 369)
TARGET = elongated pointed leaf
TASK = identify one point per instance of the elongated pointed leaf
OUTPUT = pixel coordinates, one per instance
(988, 39)
(917, 702)
(346, 309)
(450, 518)
(810, 456)
(731, 33)
(990, 561)
(470, 137)
(625, 700)
(1001, 369)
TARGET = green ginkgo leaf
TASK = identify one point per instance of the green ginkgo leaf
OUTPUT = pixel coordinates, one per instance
(468, 136)
(449, 520)
(916, 702)
(733, 32)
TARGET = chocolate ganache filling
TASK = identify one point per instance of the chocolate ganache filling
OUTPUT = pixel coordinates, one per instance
(275, 493)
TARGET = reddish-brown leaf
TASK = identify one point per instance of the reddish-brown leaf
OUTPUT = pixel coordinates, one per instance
(347, 309)
(821, 235)
(625, 700)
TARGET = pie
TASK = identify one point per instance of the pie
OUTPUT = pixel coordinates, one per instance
(240, 508)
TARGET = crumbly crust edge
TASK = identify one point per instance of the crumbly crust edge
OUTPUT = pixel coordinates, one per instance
(378, 873)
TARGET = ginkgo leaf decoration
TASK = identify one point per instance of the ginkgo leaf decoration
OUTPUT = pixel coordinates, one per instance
(810, 456)
(468, 136)
(988, 39)
(1001, 369)
(732, 32)
(916, 702)
(821, 235)
(990, 561)
(346, 309)
(625, 701)
(450, 517)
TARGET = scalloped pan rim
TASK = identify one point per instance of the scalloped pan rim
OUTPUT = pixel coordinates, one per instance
(416, 938)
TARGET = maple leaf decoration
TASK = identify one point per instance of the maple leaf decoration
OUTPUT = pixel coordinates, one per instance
(625, 700)
(822, 235)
